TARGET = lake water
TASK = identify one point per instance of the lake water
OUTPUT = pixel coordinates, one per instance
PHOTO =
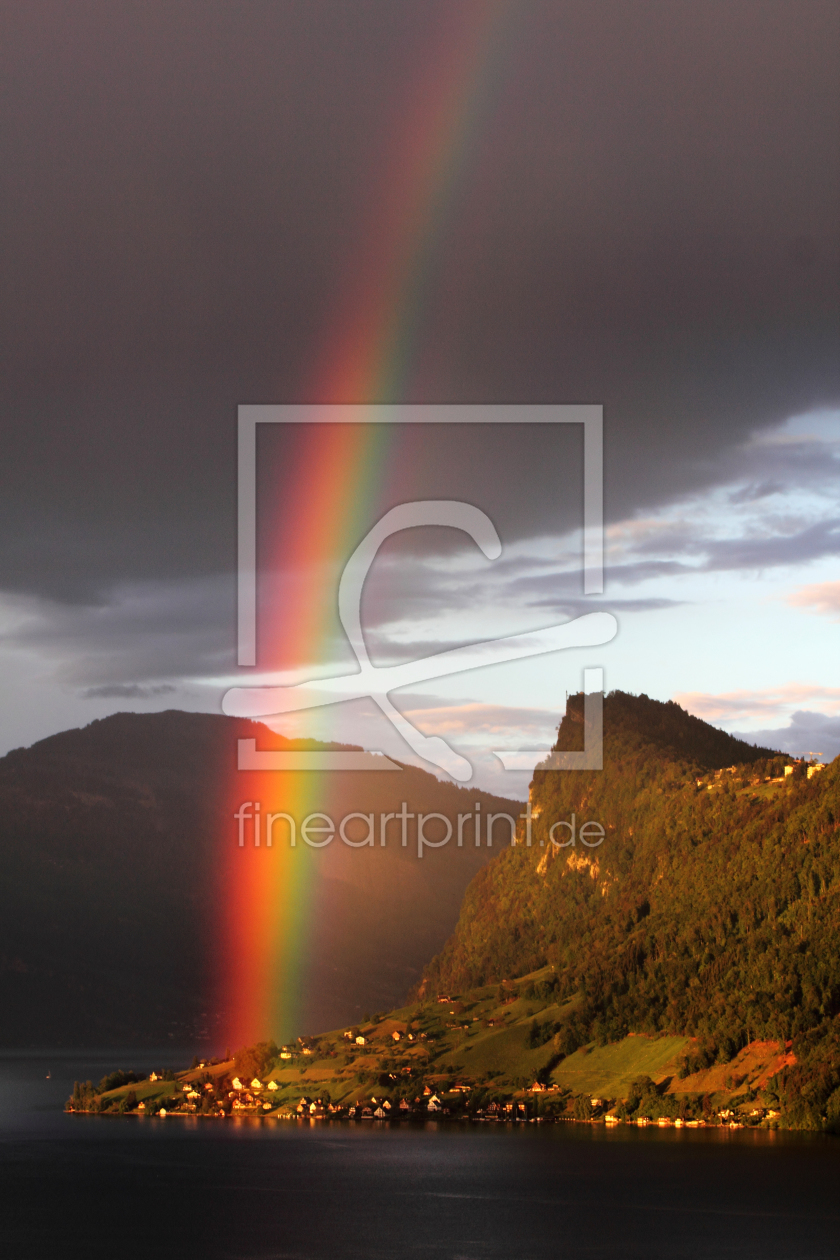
(125, 1188)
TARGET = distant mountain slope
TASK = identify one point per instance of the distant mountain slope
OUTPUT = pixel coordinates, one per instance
(711, 908)
(113, 840)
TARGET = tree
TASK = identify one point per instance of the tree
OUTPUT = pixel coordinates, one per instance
(128, 1102)
(566, 1040)
(255, 1060)
(583, 1108)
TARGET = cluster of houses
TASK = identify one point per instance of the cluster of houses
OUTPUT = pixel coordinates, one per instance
(256, 1097)
(247, 1098)
(243, 1096)
(727, 1118)
(813, 767)
(432, 1104)
(384, 1109)
(503, 1111)
(359, 1039)
(289, 1052)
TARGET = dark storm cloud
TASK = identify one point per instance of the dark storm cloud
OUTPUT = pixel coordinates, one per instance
(706, 555)
(143, 636)
(127, 691)
(752, 493)
(807, 732)
(717, 555)
(759, 469)
(578, 608)
(647, 218)
(382, 648)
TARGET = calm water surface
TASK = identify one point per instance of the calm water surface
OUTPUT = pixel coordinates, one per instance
(122, 1187)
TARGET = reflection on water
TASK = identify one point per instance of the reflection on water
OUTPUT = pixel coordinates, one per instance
(244, 1187)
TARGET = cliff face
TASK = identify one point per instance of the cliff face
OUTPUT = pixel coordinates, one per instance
(710, 907)
(114, 841)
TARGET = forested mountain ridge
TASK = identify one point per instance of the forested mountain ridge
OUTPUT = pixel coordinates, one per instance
(711, 908)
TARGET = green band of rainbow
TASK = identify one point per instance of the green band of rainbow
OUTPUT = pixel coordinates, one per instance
(335, 485)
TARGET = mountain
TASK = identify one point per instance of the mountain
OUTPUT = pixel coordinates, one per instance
(709, 909)
(115, 848)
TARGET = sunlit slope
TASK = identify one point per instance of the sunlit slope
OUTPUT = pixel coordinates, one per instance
(711, 909)
(513, 1042)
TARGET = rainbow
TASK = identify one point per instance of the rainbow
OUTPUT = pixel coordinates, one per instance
(340, 472)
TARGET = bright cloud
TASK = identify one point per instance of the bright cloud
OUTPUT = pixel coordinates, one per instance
(475, 718)
(820, 597)
(776, 702)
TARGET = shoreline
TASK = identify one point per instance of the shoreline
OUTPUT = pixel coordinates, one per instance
(419, 1119)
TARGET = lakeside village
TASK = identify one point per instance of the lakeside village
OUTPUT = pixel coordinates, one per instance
(506, 1054)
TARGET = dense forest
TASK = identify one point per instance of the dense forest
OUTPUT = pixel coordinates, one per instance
(710, 908)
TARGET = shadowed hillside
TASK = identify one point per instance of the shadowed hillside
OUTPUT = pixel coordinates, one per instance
(114, 840)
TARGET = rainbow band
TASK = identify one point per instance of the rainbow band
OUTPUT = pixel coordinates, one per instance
(336, 483)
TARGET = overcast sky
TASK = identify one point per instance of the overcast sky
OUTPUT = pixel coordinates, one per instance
(643, 214)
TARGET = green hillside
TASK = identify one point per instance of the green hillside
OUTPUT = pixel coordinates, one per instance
(507, 1052)
(468, 1050)
(710, 909)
